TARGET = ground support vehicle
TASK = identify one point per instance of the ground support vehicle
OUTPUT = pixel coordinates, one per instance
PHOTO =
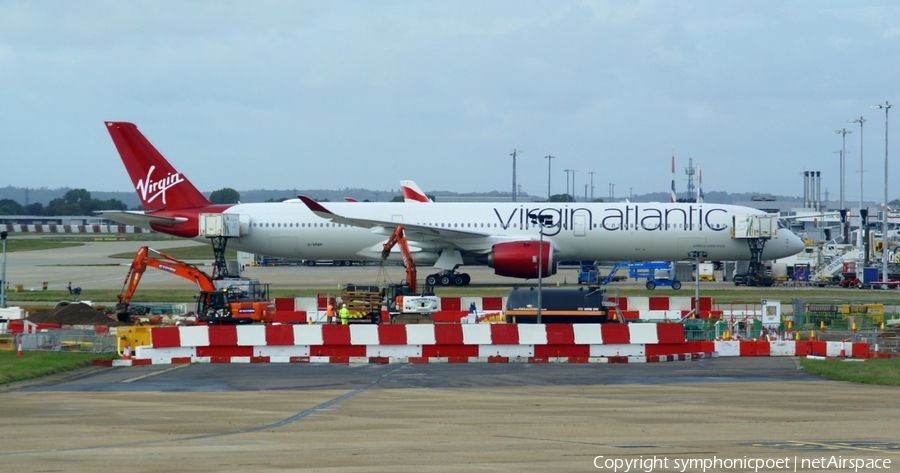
(657, 273)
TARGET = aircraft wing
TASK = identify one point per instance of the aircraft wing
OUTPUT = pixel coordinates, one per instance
(138, 218)
(413, 232)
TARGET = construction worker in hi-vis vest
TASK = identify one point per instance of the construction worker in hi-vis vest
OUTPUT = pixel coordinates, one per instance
(344, 314)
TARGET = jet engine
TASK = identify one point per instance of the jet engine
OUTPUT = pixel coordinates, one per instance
(519, 259)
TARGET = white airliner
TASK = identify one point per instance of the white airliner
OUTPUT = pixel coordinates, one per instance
(504, 236)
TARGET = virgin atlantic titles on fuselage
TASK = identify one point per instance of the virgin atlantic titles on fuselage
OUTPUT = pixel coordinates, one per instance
(447, 235)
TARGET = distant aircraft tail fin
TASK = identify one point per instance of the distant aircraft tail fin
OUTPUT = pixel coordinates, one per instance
(412, 193)
(157, 183)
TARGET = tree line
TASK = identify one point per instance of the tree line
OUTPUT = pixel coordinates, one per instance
(79, 202)
(74, 202)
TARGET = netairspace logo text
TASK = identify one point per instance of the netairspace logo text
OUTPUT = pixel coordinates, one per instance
(689, 465)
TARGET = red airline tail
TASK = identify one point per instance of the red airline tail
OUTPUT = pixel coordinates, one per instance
(157, 183)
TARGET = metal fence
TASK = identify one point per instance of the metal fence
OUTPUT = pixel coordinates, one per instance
(76, 341)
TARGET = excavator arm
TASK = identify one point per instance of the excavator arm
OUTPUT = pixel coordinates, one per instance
(163, 262)
(398, 237)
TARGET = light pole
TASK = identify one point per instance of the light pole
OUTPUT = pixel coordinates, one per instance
(3, 273)
(592, 186)
(549, 160)
(884, 230)
(513, 154)
(843, 132)
(860, 120)
(841, 168)
(541, 221)
(573, 186)
(567, 183)
(697, 255)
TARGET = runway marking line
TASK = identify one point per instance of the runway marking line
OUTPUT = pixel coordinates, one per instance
(144, 376)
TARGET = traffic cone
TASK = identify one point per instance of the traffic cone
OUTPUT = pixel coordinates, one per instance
(126, 352)
(812, 335)
(797, 336)
(882, 326)
(822, 325)
(843, 353)
(19, 350)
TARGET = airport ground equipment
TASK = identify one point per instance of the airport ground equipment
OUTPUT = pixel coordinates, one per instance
(756, 230)
(581, 305)
(590, 274)
(224, 300)
(705, 272)
(813, 314)
(405, 298)
(657, 273)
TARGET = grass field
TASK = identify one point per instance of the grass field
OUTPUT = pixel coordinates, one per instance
(872, 371)
(34, 364)
(27, 242)
(31, 243)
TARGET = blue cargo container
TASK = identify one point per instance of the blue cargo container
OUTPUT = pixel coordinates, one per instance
(870, 275)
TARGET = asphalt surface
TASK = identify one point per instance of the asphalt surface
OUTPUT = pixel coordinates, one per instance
(511, 417)
(427, 418)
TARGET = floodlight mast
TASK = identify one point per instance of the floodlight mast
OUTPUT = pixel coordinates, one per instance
(860, 120)
(514, 153)
(884, 230)
(843, 132)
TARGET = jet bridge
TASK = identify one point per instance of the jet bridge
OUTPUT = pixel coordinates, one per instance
(756, 230)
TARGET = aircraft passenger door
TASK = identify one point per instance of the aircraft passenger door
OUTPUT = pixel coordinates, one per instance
(578, 224)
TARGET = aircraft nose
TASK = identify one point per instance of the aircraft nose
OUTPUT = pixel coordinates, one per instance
(794, 243)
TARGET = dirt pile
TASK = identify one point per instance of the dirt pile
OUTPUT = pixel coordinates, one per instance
(73, 314)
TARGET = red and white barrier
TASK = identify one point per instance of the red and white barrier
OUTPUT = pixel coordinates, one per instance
(55, 228)
(792, 348)
(570, 343)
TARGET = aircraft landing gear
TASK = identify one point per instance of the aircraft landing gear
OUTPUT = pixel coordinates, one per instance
(448, 278)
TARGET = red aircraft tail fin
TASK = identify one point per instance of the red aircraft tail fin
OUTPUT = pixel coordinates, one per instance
(157, 183)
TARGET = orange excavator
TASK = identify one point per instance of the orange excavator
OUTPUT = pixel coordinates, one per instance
(403, 298)
(221, 301)
(399, 238)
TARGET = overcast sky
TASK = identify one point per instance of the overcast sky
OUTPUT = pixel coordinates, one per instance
(335, 94)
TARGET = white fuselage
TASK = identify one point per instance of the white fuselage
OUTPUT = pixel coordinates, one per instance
(582, 231)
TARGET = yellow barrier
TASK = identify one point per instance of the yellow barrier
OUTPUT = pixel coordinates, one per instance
(133, 336)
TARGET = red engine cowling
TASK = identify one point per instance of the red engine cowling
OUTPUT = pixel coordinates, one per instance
(519, 259)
